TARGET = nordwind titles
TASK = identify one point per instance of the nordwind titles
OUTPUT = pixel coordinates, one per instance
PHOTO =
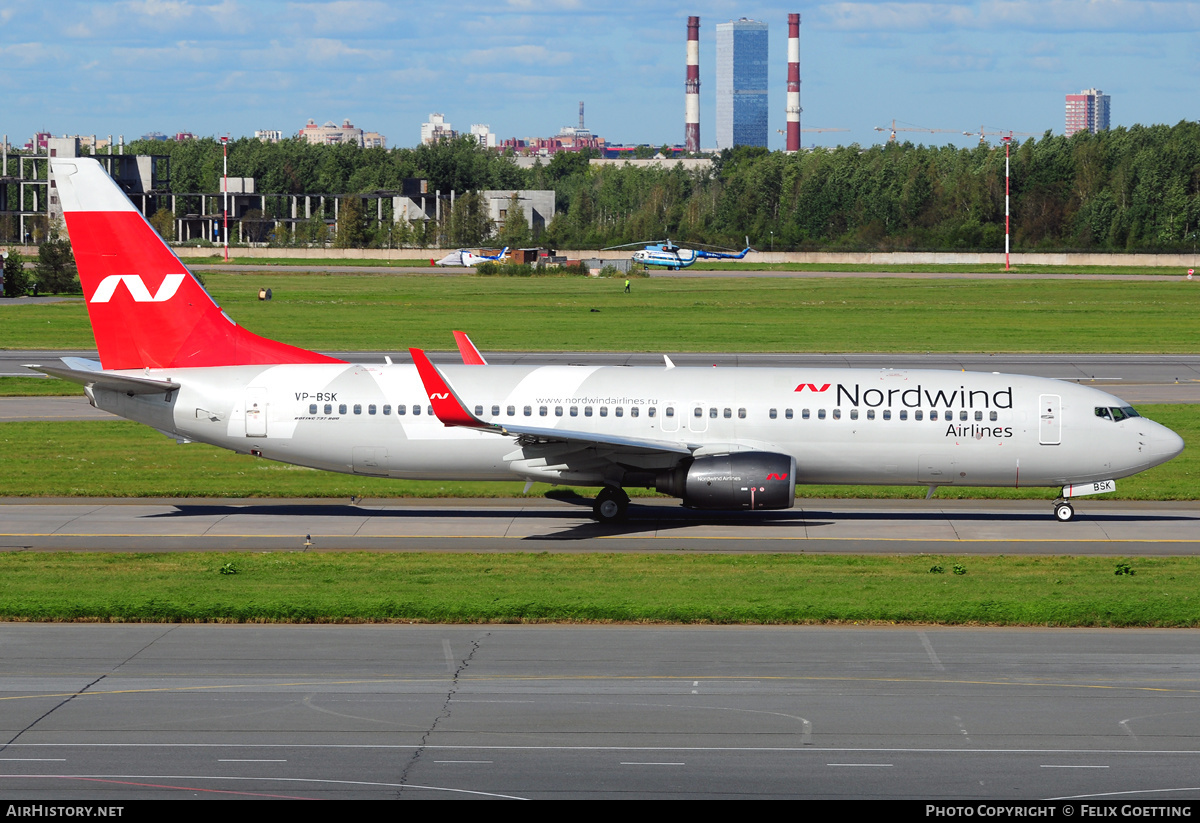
(918, 397)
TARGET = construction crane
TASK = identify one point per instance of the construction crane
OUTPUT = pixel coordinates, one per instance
(984, 134)
(809, 131)
(895, 128)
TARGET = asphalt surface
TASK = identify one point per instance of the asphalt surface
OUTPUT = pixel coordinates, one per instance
(1103, 368)
(1101, 527)
(111, 713)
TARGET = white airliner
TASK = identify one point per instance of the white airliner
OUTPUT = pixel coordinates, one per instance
(734, 438)
(466, 257)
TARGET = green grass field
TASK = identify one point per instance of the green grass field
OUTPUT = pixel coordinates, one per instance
(411, 259)
(348, 312)
(688, 588)
(38, 387)
(926, 268)
(125, 459)
(376, 311)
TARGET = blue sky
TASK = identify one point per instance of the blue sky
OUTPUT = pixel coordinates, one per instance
(522, 66)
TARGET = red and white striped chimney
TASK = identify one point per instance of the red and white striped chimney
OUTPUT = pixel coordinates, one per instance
(691, 115)
(793, 83)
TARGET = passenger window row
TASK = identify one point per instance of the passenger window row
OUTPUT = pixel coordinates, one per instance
(574, 411)
(886, 414)
(371, 409)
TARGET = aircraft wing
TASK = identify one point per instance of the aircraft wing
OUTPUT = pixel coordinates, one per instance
(450, 409)
(89, 373)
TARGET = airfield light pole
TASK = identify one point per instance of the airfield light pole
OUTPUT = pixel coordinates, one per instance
(1007, 144)
(225, 207)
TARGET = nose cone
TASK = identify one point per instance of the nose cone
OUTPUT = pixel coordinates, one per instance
(1164, 443)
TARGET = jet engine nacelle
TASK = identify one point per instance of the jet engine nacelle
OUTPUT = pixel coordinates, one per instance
(745, 480)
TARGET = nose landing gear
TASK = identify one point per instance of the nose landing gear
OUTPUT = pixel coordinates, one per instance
(1063, 511)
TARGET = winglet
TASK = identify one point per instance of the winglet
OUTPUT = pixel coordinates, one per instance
(470, 354)
(446, 404)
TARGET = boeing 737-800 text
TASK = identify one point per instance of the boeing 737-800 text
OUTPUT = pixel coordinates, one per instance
(735, 438)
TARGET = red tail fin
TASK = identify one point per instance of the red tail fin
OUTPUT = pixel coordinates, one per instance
(146, 308)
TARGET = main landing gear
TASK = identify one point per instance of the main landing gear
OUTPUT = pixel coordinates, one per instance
(611, 506)
(1063, 511)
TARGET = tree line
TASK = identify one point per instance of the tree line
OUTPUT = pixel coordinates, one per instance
(1127, 189)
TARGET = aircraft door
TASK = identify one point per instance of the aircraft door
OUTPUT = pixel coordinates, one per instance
(1050, 420)
(697, 418)
(670, 416)
(256, 412)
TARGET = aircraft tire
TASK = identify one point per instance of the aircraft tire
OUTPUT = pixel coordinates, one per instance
(611, 505)
(1063, 512)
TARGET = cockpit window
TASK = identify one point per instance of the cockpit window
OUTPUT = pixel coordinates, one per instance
(1116, 414)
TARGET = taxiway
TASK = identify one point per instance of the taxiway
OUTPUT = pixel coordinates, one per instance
(565, 525)
(111, 713)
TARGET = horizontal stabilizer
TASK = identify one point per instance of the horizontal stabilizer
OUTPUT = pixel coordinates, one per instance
(107, 380)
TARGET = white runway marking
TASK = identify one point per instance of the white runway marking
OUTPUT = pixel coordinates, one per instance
(1064, 766)
(863, 765)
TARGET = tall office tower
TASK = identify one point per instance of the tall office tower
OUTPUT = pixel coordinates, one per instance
(1087, 111)
(741, 84)
(691, 105)
(793, 83)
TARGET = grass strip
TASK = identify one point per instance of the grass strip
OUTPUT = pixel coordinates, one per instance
(38, 387)
(366, 263)
(280, 587)
(364, 312)
(943, 268)
(120, 458)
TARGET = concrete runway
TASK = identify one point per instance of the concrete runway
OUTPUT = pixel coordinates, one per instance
(112, 713)
(953, 527)
(1116, 369)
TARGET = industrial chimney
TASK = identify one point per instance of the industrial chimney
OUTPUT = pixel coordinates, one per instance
(691, 115)
(793, 83)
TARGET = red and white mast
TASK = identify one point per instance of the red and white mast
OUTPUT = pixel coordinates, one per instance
(691, 115)
(793, 83)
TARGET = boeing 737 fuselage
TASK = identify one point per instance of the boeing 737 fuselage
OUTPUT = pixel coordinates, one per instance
(733, 438)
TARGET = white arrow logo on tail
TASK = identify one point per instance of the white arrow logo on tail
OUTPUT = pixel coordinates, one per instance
(137, 289)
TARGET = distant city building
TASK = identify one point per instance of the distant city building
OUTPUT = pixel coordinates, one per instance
(158, 136)
(742, 111)
(569, 138)
(1087, 111)
(38, 144)
(329, 134)
(436, 129)
(484, 135)
(269, 135)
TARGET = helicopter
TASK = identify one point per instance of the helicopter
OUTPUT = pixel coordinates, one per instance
(668, 255)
